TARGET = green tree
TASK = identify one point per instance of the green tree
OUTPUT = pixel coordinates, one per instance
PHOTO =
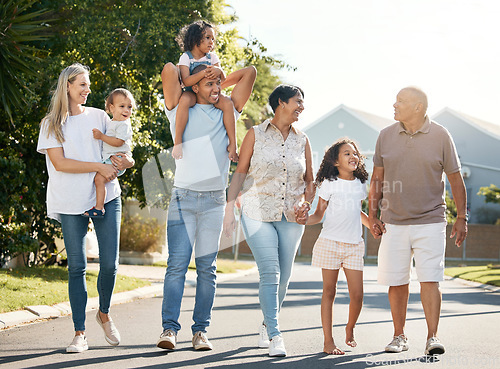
(18, 27)
(491, 194)
(125, 43)
(451, 209)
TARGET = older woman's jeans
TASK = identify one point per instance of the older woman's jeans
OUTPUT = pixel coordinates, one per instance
(194, 220)
(273, 245)
(107, 228)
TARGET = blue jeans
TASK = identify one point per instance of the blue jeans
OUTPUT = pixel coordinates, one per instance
(194, 219)
(107, 228)
(273, 245)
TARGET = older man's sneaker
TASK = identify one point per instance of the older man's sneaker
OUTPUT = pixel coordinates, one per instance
(434, 346)
(111, 334)
(167, 340)
(277, 346)
(263, 337)
(79, 344)
(398, 344)
(201, 342)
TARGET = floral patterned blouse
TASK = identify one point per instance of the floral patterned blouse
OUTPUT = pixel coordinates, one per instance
(275, 178)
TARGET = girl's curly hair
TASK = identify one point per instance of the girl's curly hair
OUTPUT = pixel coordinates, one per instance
(328, 170)
(192, 34)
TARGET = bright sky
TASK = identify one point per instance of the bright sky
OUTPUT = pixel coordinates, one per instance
(362, 52)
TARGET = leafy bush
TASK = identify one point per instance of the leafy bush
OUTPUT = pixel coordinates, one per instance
(139, 234)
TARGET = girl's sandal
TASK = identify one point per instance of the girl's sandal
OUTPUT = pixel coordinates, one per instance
(94, 213)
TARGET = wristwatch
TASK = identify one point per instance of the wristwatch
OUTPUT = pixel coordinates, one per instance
(463, 216)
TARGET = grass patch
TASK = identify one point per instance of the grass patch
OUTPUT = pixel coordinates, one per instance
(223, 265)
(22, 287)
(482, 274)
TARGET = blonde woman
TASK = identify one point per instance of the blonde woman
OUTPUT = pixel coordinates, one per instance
(73, 158)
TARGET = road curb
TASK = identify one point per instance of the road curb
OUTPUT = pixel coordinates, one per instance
(36, 313)
(488, 287)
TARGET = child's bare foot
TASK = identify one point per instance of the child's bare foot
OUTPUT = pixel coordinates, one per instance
(330, 349)
(233, 153)
(177, 151)
(349, 337)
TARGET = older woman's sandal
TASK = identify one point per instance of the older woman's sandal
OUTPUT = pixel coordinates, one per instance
(94, 213)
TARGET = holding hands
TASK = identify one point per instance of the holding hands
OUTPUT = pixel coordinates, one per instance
(302, 212)
(377, 227)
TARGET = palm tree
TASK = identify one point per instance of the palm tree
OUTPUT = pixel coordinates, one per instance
(18, 28)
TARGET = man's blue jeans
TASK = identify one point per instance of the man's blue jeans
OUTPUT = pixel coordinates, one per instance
(194, 220)
(273, 245)
(107, 228)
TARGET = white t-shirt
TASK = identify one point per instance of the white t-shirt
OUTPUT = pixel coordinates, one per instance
(343, 214)
(123, 131)
(74, 193)
(184, 59)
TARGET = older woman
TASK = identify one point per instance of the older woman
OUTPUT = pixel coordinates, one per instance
(275, 169)
(73, 158)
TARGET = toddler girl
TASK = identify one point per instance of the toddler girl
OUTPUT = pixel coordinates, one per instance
(118, 139)
(197, 40)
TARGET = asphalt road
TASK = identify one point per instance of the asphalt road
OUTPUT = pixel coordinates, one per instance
(469, 328)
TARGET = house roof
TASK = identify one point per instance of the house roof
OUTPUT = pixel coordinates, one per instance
(491, 129)
(371, 120)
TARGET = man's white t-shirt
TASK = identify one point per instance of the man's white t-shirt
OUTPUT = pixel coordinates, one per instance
(343, 214)
(74, 193)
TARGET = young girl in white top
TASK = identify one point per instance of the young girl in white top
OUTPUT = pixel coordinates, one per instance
(341, 180)
(197, 40)
(117, 139)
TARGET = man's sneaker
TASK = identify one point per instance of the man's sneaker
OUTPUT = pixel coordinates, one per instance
(201, 342)
(434, 346)
(167, 340)
(111, 334)
(277, 346)
(398, 344)
(79, 344)
(263, 337)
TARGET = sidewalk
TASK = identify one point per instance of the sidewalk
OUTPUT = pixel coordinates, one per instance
(155, 275)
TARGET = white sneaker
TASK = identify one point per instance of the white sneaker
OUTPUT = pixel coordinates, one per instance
(79, 344)
(201, 342)
(167, 340)
(277, 346)
(434, 346)
(263, 337)
(111, 334)
(398, 344)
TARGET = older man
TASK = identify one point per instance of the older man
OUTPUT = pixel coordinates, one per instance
(408, 186)
(198, 198)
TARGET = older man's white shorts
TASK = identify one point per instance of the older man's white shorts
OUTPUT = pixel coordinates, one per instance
(425, 242)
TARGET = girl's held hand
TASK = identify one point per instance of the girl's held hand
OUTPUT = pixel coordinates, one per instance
(302, 213)
(377, 228)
